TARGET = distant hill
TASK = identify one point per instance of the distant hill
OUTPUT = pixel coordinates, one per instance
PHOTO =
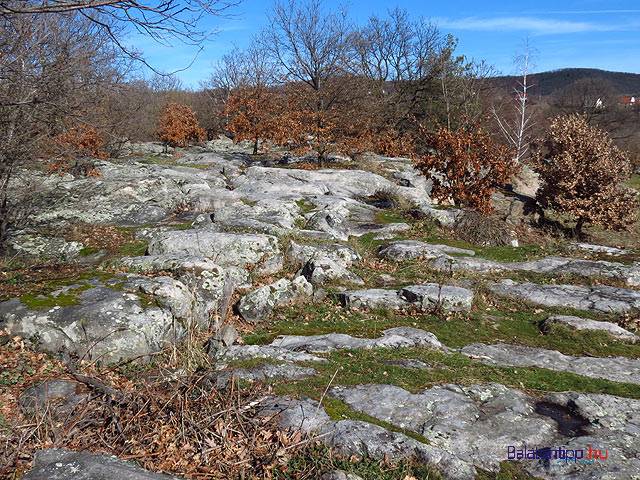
(548, 82)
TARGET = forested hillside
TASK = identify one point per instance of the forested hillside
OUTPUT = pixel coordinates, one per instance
(549, 82)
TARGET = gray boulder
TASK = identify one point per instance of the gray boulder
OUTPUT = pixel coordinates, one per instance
(373, 298)
(270, 216)
(448, 263)
(224, 337)
(343, 255)
(332, 223)
(431, 295)
(60, 464)
(104, 319)
(427, 297)
(443, 216)
(615, 369)
(410, 249)
(211, 285)
(578, 323)
(262, 252)
(261, 302)
(600, 298)
(244, 352)
(324, 270)
(263, 373)
(56, 397)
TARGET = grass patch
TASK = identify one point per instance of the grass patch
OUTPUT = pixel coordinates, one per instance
(134, 248)
(357, 367)
(305, 207)
(391, 216)
(509, 322)
(319, 459)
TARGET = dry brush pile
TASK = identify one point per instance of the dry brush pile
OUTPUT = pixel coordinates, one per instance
(169, 422)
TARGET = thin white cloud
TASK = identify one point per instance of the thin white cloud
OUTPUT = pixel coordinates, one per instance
(584, 12)
(536, 26)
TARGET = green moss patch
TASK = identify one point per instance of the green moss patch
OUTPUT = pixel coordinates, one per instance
(50, 299)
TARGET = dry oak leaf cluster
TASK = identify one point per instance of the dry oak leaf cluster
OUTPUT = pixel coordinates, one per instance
(179, 126)
(582, 175)
(77, 143)
(468, 167)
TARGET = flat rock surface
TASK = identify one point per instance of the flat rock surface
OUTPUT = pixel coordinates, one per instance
(410, 249)
(284, 371)
(132, 194)
(225, 249)
(478, 424)
(59, 464)
(341, 254)
(293, 347)
(615, 369)
(427, 296)
(357, 438)
(579, 323)
(398, 337)
(630, 274)
(600, 298)
(106, 319)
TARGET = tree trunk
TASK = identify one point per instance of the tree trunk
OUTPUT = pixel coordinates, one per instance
(578, 229)
(255, 147)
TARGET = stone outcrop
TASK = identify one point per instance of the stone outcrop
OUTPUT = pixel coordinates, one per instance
(261, 302)
(615, 369)
(600, 298)
(428, 296)
(261, 252)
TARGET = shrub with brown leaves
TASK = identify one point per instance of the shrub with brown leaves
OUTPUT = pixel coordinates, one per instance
(582, 175)
(468, 166)
(77, 144)
(179, 126)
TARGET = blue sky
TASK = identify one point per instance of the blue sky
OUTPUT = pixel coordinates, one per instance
(585, 33)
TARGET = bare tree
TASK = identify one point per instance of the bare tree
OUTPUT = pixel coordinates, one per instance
(162, 20)
(60, 61)
(52, 69)
(397, 57)
(311, 48)
(517, 123)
